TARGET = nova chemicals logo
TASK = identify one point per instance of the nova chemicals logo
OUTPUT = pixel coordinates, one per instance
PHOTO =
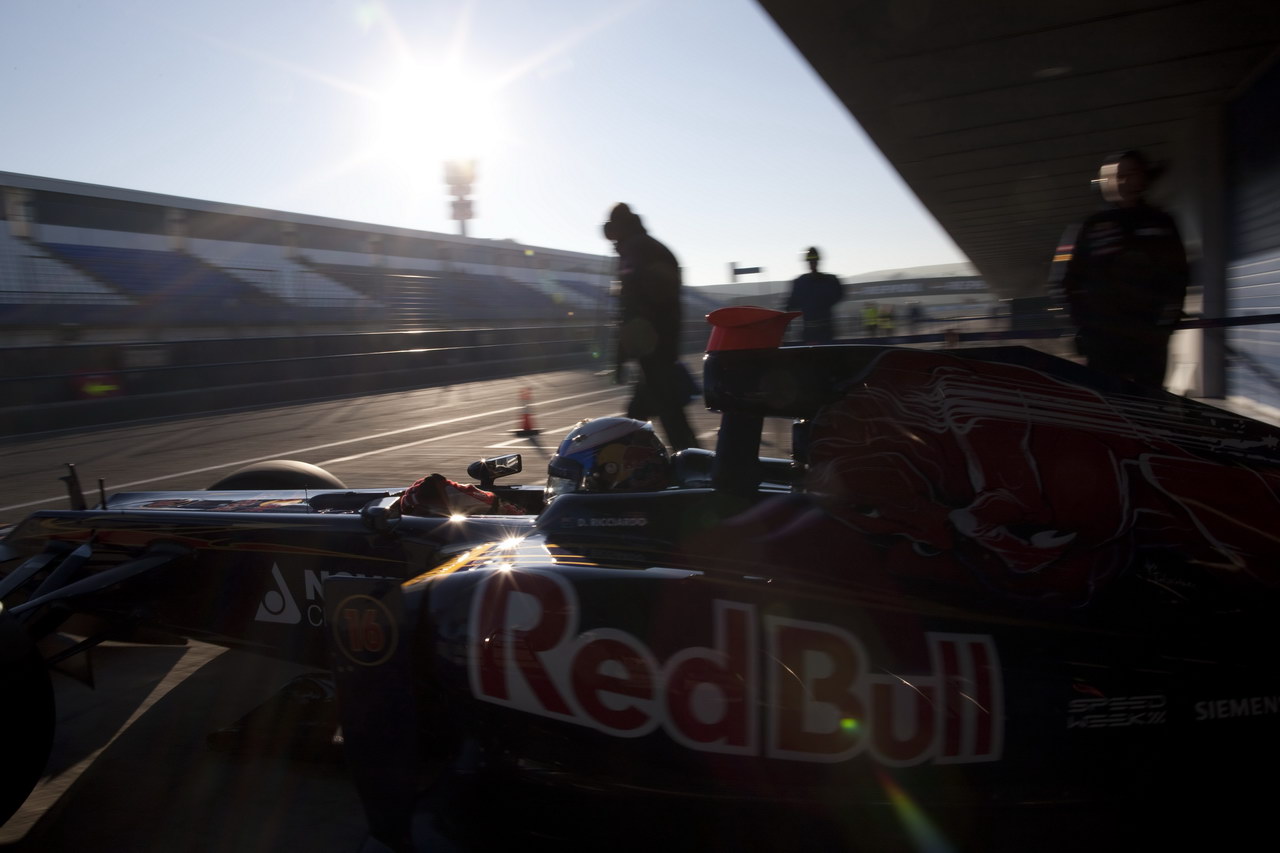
(278, 605)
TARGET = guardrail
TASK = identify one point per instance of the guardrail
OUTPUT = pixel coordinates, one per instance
(77, 386)
(93, 384)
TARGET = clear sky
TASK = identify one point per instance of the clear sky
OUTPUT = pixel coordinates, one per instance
(698, 113)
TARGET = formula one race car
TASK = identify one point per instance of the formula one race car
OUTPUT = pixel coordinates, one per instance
(994, 601)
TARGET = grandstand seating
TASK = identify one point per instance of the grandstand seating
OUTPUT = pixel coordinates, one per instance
(232, 283)
(169, 287)
(269, 269)
(402, 298)
(445, 298)
(496, 298)
(569, 300)
(588, 295)
(37, 289)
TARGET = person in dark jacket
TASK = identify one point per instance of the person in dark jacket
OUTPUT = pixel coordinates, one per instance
(649, 325)
(814, 294)
(1124, 276)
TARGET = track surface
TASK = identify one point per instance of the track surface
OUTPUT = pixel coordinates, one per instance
(130, 769)
(376, 441)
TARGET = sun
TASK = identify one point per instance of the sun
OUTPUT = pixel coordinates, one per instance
(428, 115)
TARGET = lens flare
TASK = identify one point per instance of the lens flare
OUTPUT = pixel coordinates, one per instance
(925, 836)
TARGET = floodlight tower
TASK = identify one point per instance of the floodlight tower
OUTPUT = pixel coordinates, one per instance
(459, 175)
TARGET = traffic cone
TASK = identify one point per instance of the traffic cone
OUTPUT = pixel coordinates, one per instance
(526, 416)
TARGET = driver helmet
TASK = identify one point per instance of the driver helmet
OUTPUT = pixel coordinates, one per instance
(609, 455)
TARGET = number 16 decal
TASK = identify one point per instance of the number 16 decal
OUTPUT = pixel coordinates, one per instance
(364, 630)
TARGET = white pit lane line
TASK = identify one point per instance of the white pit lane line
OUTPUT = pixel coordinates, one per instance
(283, 454)
(557, 432)
(515, 441)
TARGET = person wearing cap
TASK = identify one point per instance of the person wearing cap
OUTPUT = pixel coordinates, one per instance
(649, 325)
(814, 295)
(1124, 276)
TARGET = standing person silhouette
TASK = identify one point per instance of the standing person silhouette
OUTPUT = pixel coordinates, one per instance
(1124, 276)
(814, 294)
(649, 327)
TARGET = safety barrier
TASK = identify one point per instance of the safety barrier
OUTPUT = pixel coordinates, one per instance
(77, 386)
(81, 385)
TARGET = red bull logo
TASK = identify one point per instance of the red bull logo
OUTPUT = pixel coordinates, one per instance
(773, 686)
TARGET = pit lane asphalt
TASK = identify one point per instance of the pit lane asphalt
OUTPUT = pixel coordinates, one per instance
(130, 769)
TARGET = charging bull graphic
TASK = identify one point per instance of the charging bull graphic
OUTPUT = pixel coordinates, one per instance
(1028, 484)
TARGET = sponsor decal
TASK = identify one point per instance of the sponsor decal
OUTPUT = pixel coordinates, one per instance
(280, 606)
(768, 686)
(221, 505)
(1116, 712)
(364, 631)
(1249, 706)
(626, 521)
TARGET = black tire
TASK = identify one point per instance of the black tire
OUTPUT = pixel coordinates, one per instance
(279, 474)
(26, 715)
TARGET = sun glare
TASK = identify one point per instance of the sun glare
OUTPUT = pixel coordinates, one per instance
(429, 115)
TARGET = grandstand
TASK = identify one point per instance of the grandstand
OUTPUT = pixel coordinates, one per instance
(85, 262)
